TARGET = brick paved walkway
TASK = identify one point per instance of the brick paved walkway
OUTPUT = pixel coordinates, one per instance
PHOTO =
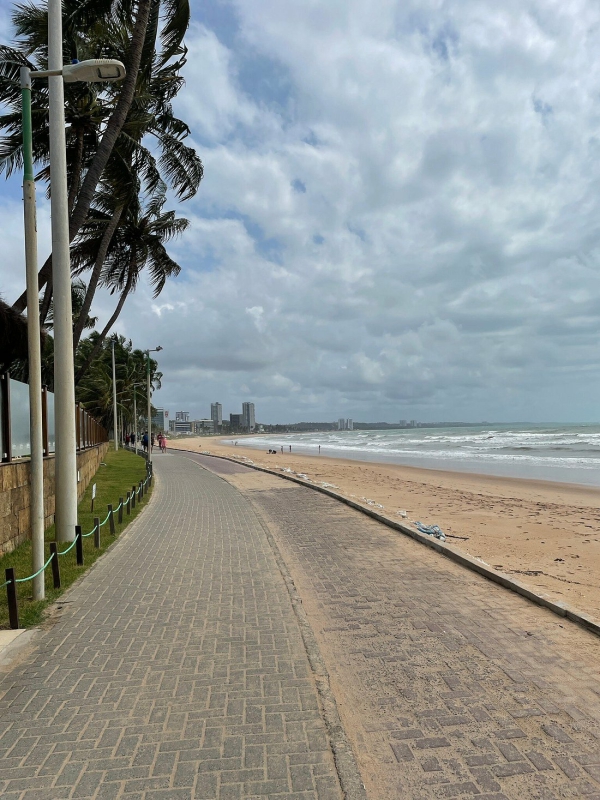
(176, 670)
(449, 685)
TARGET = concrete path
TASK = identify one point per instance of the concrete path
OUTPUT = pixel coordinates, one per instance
(176, 669)
(448, 685)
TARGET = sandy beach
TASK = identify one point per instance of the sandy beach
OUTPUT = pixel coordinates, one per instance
(545, 534)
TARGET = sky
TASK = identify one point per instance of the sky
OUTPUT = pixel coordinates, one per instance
(400, 214)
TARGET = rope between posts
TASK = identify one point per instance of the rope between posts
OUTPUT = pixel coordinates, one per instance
(64, 552)
(72, 545)
(23, 580)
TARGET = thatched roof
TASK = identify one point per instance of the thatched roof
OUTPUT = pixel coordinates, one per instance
(13, 335)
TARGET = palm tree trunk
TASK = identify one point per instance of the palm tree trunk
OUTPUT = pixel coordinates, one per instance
(76, 175)
(45, 307)
(112, 131)
(97, 347)
(95, 276)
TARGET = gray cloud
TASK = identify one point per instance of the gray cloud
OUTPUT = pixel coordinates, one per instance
(400, 215)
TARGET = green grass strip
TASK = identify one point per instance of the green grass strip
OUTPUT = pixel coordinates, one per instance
(35, 574)
(122, 470)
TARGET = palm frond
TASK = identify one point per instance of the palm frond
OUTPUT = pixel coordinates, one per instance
(181, 165)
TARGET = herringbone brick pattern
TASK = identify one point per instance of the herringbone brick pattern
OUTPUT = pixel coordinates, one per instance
(463, 688)
(177, 669)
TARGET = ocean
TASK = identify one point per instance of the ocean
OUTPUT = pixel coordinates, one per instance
(564, 453)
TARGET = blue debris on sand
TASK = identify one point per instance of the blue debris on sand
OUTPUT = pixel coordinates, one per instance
(432, 530)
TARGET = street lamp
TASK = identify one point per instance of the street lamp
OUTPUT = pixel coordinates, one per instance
(155, 350)
(135, 419)
(114, 397)
(34, 347)
(64, 375)
(66, 446)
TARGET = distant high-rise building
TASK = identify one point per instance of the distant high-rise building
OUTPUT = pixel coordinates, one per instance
(341, 424)
(158, 419)
(182, 416)
(180, 426)
(216, 414)
(248, 416)
(349, 425)
(236, 422)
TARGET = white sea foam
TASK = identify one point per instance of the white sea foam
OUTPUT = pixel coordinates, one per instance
(553, 452)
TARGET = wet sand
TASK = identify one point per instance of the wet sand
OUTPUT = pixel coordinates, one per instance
(545, 534)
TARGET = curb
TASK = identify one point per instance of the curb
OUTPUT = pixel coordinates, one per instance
(555, 606)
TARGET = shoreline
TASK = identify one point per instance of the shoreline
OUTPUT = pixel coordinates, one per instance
(545, 534)
(587, 476)
(456, 473)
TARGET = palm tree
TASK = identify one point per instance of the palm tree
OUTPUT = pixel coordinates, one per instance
(19, 363)
(109, 28)
(137, 244)
(95, 390)
(132, 166)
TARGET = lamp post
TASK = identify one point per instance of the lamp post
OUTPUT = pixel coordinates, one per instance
(94, 70)
(155, 350)
(34, 348)
(135, 419)
(114, 397)
(64, 373)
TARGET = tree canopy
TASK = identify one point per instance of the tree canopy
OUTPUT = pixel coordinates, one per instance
(125, 146)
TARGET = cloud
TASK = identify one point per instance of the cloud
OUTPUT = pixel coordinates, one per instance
(425, 183)
(399, 216)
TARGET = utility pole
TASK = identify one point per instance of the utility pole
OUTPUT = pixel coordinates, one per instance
(114, 398)
(34, 347)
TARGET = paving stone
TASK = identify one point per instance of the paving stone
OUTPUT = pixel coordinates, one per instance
(490, 692)
(176, 667)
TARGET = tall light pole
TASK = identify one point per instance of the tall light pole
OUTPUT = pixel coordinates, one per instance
(34, 348)
(155, 350)
(94, 70)
(114, 397)
(64, 373)
(135, 418)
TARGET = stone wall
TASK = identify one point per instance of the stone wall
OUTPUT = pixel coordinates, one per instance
(14, 494)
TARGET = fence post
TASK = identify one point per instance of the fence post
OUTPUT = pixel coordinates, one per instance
(128, 503)
(11, 593)
(111, 519)
(97, 533)
(79, 545)
(120, 520)
(133, 496)
(55, 565)
(141, 490)
(5, 417)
